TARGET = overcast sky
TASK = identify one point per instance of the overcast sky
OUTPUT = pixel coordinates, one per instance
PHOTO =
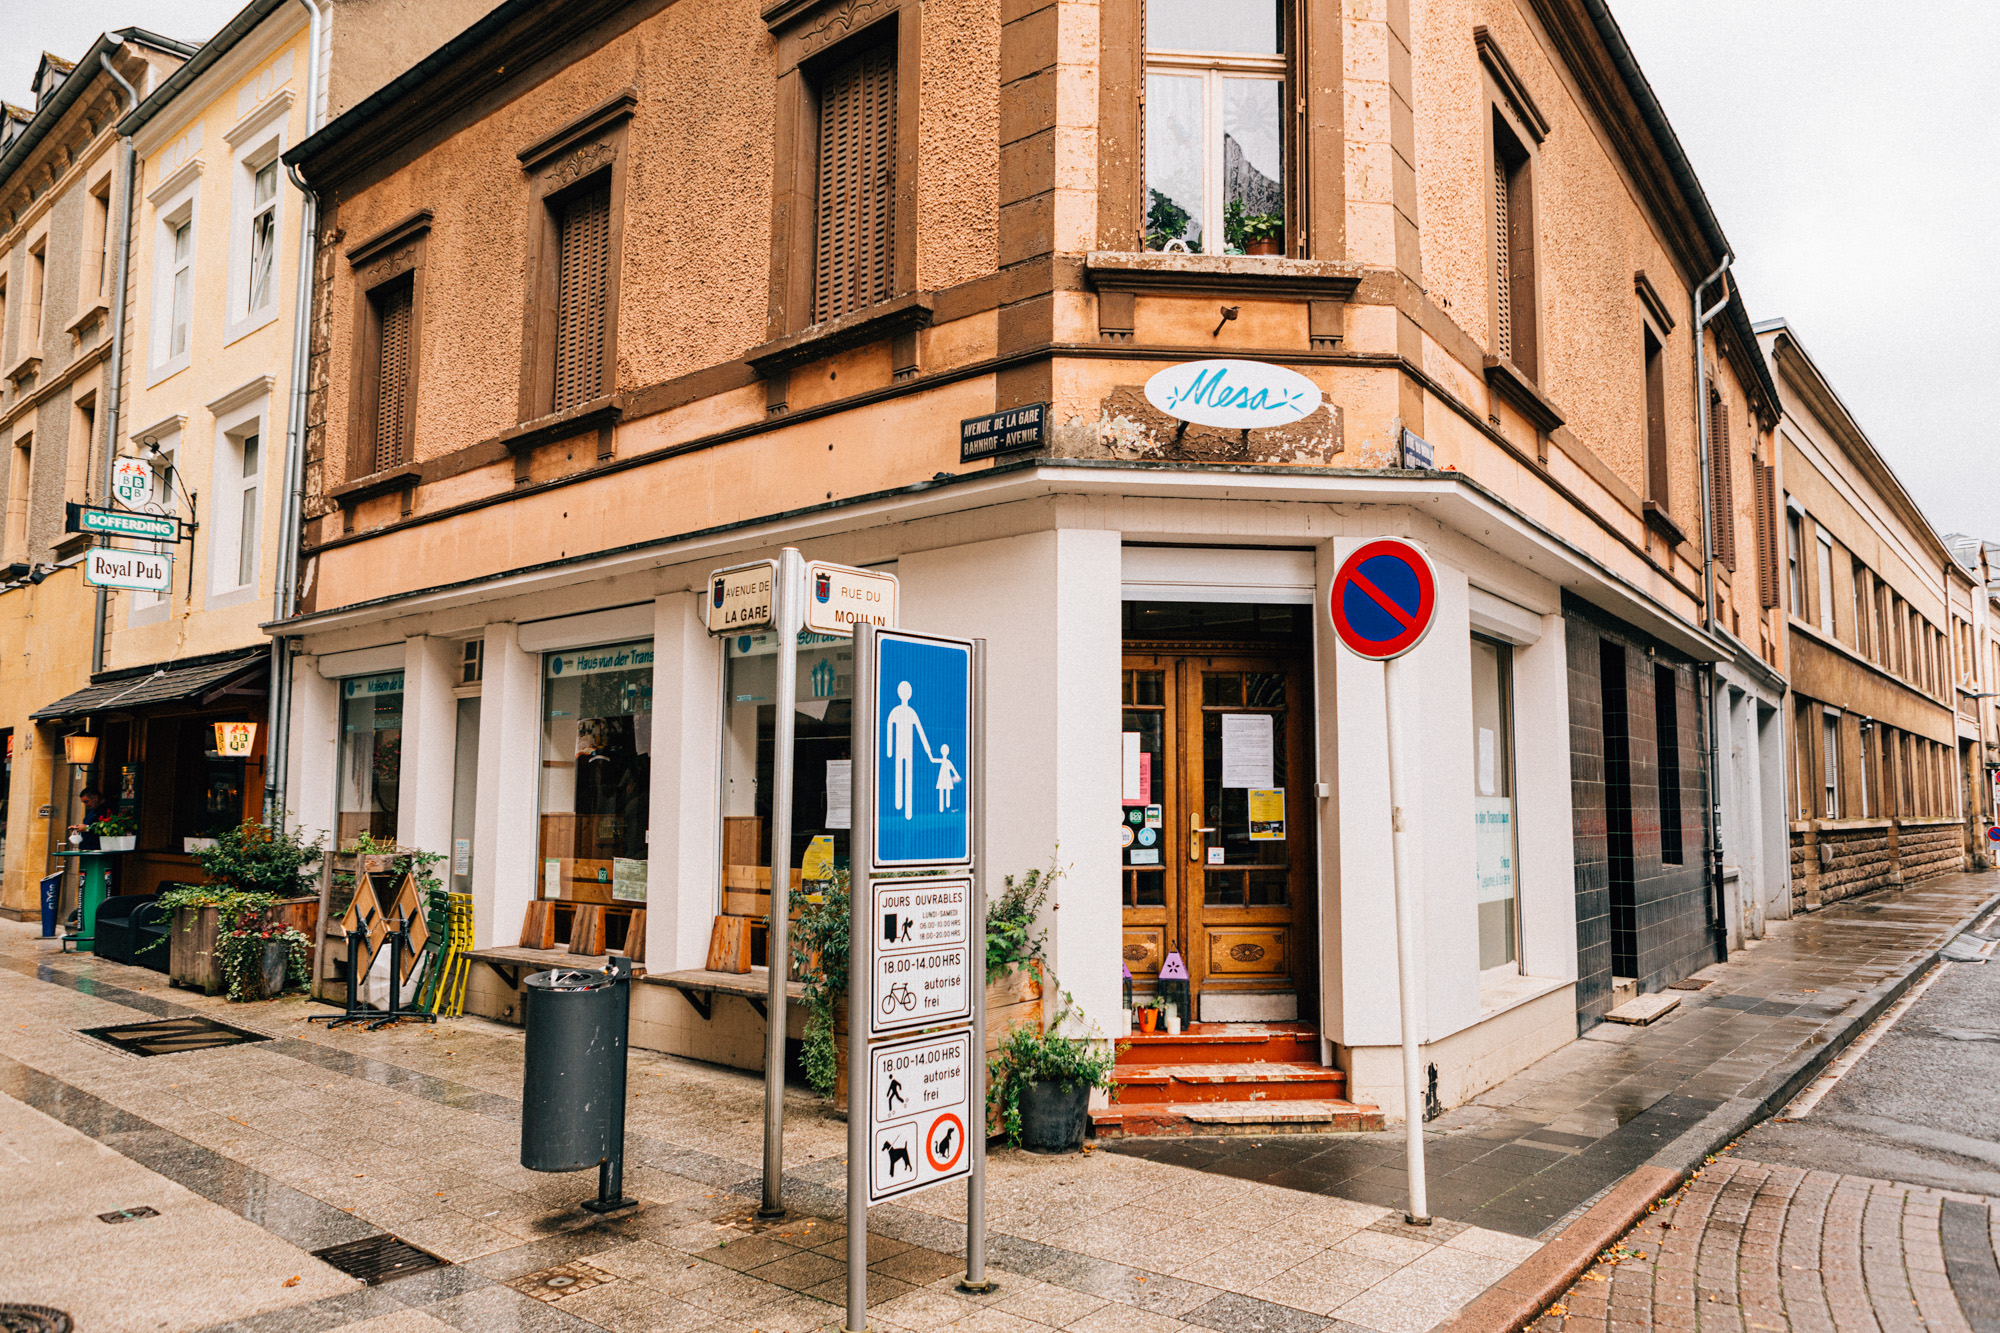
(1851, 150)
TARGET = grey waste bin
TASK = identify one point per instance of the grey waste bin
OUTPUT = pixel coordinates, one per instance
(573, 1083)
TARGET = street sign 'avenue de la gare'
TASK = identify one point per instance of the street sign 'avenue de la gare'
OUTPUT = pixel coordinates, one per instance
(742, 597)
(924, 777)
(1384, 599)
(1016, 429)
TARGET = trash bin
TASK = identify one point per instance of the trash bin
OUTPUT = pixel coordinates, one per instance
(573, 1083)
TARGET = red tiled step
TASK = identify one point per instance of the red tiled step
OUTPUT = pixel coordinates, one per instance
(1264, 1118)
(1248, 1082)
(1211, 1043)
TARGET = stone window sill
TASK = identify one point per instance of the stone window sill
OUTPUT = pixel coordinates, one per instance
(1152, 273)
(1660, 521)
(857, 328)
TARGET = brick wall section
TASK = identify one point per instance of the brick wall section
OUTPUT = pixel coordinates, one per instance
(1671, 905)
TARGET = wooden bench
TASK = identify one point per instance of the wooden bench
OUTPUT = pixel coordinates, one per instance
(512, 963)
(700, 987)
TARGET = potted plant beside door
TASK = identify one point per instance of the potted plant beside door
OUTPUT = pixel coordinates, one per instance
(1043, 1081)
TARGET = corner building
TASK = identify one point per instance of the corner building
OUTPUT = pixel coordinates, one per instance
(613, 294)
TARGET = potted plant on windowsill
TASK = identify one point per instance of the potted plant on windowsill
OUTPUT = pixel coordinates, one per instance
(116, 833)
(1252, 233)
(1043, 1081)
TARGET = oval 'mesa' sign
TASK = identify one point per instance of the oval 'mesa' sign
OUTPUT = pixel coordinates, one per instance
(1235, 395)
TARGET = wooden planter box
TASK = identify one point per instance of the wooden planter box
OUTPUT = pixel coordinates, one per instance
(191, 960)
(1012, 1001)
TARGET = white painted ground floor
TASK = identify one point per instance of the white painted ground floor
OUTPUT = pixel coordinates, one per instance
(1171, 724)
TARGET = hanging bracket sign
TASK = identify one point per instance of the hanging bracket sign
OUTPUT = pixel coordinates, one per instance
(742, 597)
(1234, 395)
(119, 523)
(839, 596)
(132, 571)
(132, 481)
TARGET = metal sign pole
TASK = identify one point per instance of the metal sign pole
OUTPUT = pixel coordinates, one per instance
(975, 1187)
(1406, 950)
(861, 859)
(787, 612)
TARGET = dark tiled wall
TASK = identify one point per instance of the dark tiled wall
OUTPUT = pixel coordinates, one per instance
(1669, 906)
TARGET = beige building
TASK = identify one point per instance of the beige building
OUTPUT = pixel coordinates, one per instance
(1871, 594)
(63, 195)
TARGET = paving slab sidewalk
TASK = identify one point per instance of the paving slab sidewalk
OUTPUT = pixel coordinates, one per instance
(318, 1136)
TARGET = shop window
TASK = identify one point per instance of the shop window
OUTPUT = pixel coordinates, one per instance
(464, 794)
(209, 787)
(472, 667)
(822, 800)
(1667, 761)
(371, 757)
(597, 761)
(1618, 808)
(1494, 842)
(1215, 115)
(854, 240)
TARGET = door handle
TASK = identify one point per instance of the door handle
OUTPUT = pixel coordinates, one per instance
(1195, 832)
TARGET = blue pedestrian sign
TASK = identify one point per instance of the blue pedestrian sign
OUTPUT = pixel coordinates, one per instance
(923, 750)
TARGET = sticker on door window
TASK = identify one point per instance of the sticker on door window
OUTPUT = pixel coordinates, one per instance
(1143, 858)
(1153, 816)
(1215, 856)
(1124, 835)
(1267, 814)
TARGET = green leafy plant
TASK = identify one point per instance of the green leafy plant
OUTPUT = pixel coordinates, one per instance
(1240, 230)
(1026, 1056)
(1011, 938)
(1166, 221)
(406, 861)
(240, 956)
(263, 858)
(235, 907)
(819, 942)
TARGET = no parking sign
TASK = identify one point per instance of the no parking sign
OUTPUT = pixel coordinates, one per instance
(1384, 599)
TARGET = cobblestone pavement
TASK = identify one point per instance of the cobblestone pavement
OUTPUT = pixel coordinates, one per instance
(256, 1155)
(1746, 1246)
(1531, 1153)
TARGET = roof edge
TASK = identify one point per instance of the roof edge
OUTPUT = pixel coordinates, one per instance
(85, 73)
(244, 22)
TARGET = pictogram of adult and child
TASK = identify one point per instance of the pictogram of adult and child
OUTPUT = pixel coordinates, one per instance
(903, 722)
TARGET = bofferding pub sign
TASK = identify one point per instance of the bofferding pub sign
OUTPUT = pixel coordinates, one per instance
(1007, 432)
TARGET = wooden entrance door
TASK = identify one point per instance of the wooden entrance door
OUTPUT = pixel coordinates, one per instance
(1218, 858)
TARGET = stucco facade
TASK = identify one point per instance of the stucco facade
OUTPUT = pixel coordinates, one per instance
(61, 192)
(729, 422)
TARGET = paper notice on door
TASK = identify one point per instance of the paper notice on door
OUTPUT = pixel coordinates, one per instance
(552, 879)
(1486, 765)
(628, 879)
(1246, 750)
(1267, 814)
(1138, 772)
(840, 793)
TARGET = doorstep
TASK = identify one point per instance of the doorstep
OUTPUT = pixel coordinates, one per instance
(1222, 1119)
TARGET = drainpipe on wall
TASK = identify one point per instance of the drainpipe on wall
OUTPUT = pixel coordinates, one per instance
(1710, 744)
(284, 597)
(114, 391)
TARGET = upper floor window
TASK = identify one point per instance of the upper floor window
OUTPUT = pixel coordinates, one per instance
(583, 269)
(182, 288)
(388, 383)
(1515, 332)
(854, 203)
(1656, 421)
(98, 258)
(1722, 483)
(263, 235)
(1795, 532)
(38, 278)
(1215, 137)
(1825, 581)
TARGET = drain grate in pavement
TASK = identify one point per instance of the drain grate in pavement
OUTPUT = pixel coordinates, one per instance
(379, 1259)
(128, 1214)
(33, 1319)
(553, 1284)
(171, 1036)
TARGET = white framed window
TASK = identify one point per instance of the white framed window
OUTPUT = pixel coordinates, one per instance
(237, 516)
(173, 288)
(1829, 722)
(1215, 116)
(1825, 583)
(1867, 794)
(255, 217)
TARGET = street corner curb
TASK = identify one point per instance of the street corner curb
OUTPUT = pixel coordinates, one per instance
(1515, 1301)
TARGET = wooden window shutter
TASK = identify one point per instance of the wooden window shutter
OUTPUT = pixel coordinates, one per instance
(854, 243)
(583, 268)
(1760, 531)
(1722, 488)
(392, 374)
(1503, 285)
(1770, 512)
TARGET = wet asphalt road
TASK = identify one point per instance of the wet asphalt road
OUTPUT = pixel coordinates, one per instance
(1922, 1105)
